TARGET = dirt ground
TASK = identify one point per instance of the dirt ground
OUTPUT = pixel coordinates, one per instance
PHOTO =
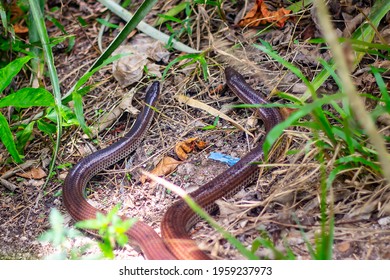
(286, 191)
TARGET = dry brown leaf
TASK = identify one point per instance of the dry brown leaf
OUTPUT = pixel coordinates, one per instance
(260, 14)
(183, 148)
(20, 29)
(17, 16)
(286, 112)
(343, 247)
(166, 166)
(34, 173)
(200, 144)
(187, 146)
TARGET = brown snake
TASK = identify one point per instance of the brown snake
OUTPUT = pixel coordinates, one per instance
(179, 218)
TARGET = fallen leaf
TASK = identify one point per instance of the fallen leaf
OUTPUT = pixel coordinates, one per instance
(260, 14)
(182, 149)
(286, 112)
(20, 29)
(200, 144)
(34, 173)
(17, 16)
(343, 247)
(166, 166)
(218, 89)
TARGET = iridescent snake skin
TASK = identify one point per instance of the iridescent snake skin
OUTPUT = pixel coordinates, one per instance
(179, 218)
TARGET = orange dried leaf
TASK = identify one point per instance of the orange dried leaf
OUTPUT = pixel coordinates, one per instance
(259, 14)
(286, 112)
(218, 89)
(185, 147)
(166, 166)
(16, 16)
(200, 144)
(34, 173)
(20, 29)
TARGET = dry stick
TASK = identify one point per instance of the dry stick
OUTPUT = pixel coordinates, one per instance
(354, 99)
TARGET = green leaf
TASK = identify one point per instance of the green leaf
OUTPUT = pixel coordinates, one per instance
(82, 21)
(69, 117)
(89, 224)
(24, 136)
(45, 127)
(122, 239)
(57, 234)
(3, 17)
(124, 226)
(28, 97)
(78, 109)
(106, 248)
(8, 140)
(9, 72)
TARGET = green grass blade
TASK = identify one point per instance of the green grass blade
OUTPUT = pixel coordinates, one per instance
(171, 13)
(192, 56)
(79, 112)
(382, 87)
(364, 33)
(142, 11)
(39, 22)
(275, 133)
(317, 112)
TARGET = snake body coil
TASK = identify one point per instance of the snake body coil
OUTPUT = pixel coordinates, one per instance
(179, 218)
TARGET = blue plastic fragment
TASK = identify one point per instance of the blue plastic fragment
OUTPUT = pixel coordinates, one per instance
(229, 160)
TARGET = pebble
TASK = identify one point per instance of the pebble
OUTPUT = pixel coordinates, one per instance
(384, 221)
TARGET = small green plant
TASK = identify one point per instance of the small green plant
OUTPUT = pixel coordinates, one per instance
(185, 24)
(264, 241)
(193, 58)
(23, 98)
(111, 229)
(61, 238)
